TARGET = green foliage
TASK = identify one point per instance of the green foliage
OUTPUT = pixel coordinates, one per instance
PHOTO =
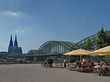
(63, 56)
(49, 60)
(55, 57)
(87, 59)
(14, 55)
(88, 45)
(107, 59)
(72, 60)
(1, 55)
(103, 39)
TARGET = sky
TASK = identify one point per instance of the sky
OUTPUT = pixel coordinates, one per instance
(38, 21)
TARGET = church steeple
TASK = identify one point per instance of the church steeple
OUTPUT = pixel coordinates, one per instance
(11, 42)
(14, 48)
(15, 42)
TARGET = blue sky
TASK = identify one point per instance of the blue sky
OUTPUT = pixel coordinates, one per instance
(38, 21)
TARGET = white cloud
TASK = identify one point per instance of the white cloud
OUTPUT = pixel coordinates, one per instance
(19, 31)
(22, 30)
(11, 13)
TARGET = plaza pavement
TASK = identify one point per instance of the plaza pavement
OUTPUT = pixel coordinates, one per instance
(37, 73)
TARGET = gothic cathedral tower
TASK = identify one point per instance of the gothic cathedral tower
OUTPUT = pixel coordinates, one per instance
(11, 42)
(14, 48)
(15, 42)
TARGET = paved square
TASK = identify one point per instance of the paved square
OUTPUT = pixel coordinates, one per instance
(36, 73)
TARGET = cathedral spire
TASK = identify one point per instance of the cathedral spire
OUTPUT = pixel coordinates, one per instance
(15, 42)
(11, 42)
(14, 48)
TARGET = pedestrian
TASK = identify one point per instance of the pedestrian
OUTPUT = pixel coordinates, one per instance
(83, 60)
(4, 60)
(64, 61)
(27, 60)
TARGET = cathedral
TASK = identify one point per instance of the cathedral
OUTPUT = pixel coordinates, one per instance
(13, 47)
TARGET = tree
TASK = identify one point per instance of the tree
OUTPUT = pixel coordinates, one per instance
(103, 39)
(15, 55)
(49, 60)
(1, 55)
(107, 59)
(108, 38)
(72, 60)
(88, 45)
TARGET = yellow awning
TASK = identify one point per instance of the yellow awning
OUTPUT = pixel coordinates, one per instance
(79, 52)
(101, 52)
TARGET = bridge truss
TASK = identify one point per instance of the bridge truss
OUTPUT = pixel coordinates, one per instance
(60, 47)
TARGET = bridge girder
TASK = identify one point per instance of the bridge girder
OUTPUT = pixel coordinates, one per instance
(67, 46)
(54, 44)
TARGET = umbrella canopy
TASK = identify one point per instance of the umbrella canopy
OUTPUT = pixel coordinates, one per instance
(96, 54)
(78, 52)
(102, 51)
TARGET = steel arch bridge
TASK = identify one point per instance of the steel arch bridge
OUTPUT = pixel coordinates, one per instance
(82, 43)
(53, 47)
(60, 47)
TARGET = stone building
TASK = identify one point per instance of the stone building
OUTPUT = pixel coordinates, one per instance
(13, 46)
